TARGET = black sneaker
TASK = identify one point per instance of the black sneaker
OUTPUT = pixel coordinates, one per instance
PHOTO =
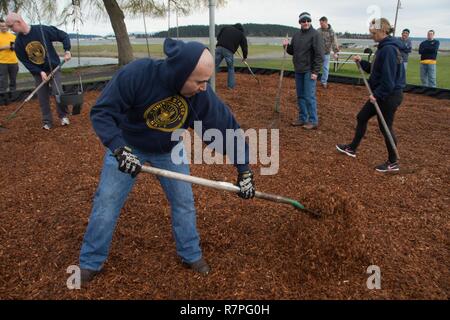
(345, 148)
(388, 167)
(87, 275)
(199, 266)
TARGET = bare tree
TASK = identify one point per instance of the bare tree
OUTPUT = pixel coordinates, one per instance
(115, 10)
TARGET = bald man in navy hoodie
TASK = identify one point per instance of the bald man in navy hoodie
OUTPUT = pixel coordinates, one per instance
(127, 118)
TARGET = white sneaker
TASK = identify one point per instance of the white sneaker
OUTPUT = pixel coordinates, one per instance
(46, 127)
(65, 121)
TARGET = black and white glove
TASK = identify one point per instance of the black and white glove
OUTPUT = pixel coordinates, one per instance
(128, 162)
(246, 184)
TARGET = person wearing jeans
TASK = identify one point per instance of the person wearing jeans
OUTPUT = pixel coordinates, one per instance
(110, 197)
(408, 44)
(221, 54)
(135, 118)
(428, 51)
(387, 80)
(307, 49)
(228, 41)
(428, 75)
(325, 71)
(306, 93)
(330, 43)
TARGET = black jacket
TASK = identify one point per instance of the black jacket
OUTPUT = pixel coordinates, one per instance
(428, 49)
(231, 37)
(307, 47)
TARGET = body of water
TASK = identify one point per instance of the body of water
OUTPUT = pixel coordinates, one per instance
(363, 43)
(98, 61)
(84, 61)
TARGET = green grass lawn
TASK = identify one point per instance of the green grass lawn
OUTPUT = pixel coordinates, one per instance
(258, 58)
(412, 74)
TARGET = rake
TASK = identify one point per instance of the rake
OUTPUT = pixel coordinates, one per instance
(280, 83)
(227, 186)
(30, 96)
(248, 67)
(380, 115)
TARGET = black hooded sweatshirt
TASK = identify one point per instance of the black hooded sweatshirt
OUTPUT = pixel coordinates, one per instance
(231, 37)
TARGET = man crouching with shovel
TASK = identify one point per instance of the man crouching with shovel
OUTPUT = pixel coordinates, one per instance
(134, 118)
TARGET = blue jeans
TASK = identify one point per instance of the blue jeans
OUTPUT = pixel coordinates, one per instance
(428, 75)
(110, 197)
(222, 53)
(325, 69)
(306, 98)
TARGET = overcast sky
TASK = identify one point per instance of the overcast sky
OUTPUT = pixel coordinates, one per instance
(344, 15)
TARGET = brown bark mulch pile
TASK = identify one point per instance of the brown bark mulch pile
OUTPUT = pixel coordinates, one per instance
(257, 249)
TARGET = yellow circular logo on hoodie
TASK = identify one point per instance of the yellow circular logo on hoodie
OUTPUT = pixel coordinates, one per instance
(167, 115)
(35, 52)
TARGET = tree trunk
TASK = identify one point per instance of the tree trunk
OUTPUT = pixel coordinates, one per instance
(120, 30)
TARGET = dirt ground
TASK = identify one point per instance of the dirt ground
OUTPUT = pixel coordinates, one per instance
(257, 249)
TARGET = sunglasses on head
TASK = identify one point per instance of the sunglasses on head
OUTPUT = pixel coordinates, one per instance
(305, 20)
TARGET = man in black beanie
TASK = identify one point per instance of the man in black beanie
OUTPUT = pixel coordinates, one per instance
(307, 48)
(228, 41)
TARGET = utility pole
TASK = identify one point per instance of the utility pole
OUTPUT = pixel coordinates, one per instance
(396, 15)
(212, 38)
(168, 19)
(178, 33)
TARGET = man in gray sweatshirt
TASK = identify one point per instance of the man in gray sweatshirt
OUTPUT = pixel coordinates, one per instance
(307, 49)
(407, 42)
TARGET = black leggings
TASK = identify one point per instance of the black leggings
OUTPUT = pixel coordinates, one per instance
(388, 106)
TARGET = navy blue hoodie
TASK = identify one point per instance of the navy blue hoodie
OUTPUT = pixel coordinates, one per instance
(30, 48)
(141, 106)
(387, 73)
(428, 49)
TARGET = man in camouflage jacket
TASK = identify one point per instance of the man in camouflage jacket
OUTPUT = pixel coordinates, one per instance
(330, 42)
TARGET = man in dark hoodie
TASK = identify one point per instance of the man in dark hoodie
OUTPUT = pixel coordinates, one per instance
(308, 49)
(387, 80)
(228, 41)
(134, 117)
(34, 48)
(428, 51)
